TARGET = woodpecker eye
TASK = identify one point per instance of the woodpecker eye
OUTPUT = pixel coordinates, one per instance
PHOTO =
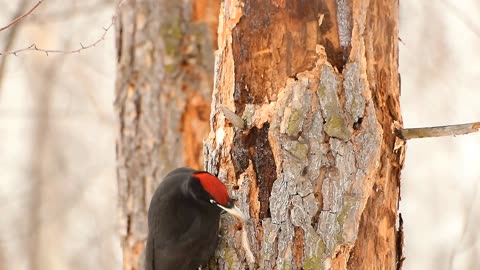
(213, 186)
(213, 201)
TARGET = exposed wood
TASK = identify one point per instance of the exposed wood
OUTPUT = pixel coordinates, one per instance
(316, 165)
(163, 95)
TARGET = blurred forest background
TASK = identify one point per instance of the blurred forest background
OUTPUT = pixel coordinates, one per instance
(58, 199)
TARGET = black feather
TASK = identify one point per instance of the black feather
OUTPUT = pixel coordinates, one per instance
(183, 224)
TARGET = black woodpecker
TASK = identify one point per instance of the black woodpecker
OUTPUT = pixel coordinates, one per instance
(183, 220)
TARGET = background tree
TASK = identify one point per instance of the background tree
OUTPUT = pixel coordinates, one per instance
(313, 159)
(163, 93)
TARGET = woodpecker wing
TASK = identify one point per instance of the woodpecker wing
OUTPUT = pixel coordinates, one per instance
(182, 232)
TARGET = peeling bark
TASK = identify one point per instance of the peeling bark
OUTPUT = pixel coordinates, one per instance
(316, 168)
(163, 96)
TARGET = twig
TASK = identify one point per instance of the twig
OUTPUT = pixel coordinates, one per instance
(82, 47)
(10, 39)
(428, 132)
(34, 47)
(21, 16)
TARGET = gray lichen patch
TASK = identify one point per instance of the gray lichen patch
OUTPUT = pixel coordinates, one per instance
(344, 21)
(368, 141)
(302, 210)
(328, 227)
(295, 121)
(335, 124)
(293, 103)
(337, 128)
(332, 192)
(344, 155)
(348, 219)
(296, 149)
(279, 201)
(285, 237)
(317, 152)
(268, 258)
(314, 250)
(227, 250)
(353, 88)
(297, 213)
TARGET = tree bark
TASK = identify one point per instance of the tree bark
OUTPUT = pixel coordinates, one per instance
(163, 92)
(317, 165)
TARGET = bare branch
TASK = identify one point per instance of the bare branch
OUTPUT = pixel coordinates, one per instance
(428, 132)
(10, 39)
(19, 18)
(34, 47)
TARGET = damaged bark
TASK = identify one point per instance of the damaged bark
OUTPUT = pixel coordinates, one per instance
(316, 165)
(163, 96)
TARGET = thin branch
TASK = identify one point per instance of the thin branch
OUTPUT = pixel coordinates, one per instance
(19, 18)
(82, 47)
(10, 39)
(429, 132)
(34, 47)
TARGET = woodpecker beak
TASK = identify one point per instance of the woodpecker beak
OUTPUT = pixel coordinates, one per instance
(233, 210)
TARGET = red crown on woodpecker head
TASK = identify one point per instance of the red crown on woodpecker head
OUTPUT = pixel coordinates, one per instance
(214, 187)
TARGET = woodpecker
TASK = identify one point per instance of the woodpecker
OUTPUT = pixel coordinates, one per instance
(183, 220)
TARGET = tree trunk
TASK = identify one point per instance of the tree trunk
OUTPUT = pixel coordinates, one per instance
(316, 165)
(163, 92)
